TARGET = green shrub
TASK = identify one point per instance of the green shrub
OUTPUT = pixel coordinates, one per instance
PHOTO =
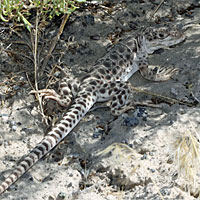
(19, 10)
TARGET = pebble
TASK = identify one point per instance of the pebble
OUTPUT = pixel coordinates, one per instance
(144, 157)
(125, 141)
(174, 92)
(51, 198)
(5, 119)
(130, 121)
(141, 112)
(61, 196)
(14, 128)
(98, 132)
(16, 87)
(94, 37)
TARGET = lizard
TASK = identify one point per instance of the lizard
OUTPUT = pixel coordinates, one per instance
(107, 80)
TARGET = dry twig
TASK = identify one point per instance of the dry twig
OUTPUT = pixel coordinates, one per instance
(54, 41)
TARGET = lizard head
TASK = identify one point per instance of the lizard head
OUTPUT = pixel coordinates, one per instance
(162, 38)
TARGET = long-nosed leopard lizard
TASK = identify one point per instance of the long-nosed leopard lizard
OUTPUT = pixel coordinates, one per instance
(107, 80)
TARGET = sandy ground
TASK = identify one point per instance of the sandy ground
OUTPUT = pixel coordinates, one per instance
(134, 157)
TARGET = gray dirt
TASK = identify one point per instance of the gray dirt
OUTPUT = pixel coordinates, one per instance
(131, 157)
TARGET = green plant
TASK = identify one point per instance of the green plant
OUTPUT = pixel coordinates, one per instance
(20, 10)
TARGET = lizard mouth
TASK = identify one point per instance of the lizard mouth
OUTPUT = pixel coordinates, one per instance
(168, 41)
(163, 43)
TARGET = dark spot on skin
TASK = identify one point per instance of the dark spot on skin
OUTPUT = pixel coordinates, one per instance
(93, 83)
(84, 96)
(123, 92)
(8, 181)
(97, 76)
(114, 71)
(75, 112)
(130, 44)
(114, 104)
(110, 92)
(74, 121)
(128, 57)
(114, 56)
(121, 85)
(61, 128)
(58, 132)
(72, 116)
(89, 89)
(89, 99)
(32, 157)
(105, 85)
(82, 103)
(38, 153)
(41, 149)
(117, 67)
(121, 49)
(107, 64)
(112, 85)
(22, 165)
(108, 77)
(78, 108)
(70, 125)
(63, 85)
(75, 87)
(66, 125)
(70, 87)
(116, 90)
(129, 50)
(119, 97)
(121, 62)
(65, 92)
(102, 71)
(69, 120)
(114, 98)
(102, 90)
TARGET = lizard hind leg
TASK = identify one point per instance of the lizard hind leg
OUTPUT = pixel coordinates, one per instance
(120, 101)
(68, 88)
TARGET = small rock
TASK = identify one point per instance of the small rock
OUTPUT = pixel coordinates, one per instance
(1, 142)
(14, 128)
(4, 117)
(144, 157)
(51, 198)
(61, 196)
(94, 37)
(130, 121)
(174, 92)
(16, 87)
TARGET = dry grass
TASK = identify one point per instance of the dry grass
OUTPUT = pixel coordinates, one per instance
(187, 159)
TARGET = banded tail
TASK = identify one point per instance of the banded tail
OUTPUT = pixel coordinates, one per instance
(78, 109)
